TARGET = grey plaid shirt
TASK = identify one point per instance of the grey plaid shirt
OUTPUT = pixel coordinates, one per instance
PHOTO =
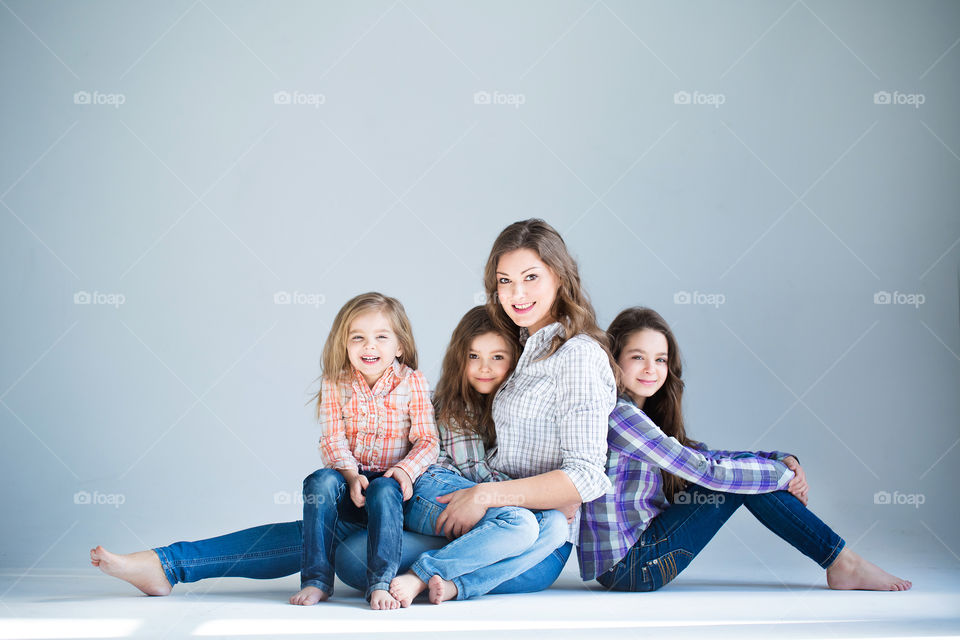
(552, 414)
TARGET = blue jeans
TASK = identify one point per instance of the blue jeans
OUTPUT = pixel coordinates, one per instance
(505, 543)
(329, 516)
(274, 551)
(679, 533)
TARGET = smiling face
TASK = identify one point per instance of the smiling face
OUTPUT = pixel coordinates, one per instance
(372, 344)
(644, 364)
(526, 289)
(488, 362)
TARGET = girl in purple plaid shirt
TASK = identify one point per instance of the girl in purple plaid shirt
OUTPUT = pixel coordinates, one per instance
(673, 494)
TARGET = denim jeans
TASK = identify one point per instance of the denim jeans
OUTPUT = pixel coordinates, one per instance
(329, 515)
(679, 533)
(274, 551)
(505, 543)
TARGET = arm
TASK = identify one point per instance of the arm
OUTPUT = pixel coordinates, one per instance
(466, 451)
(721, 453)
(423, 432)
(334, 448)
(633, 433)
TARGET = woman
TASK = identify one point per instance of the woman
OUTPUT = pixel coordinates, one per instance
(550, 414)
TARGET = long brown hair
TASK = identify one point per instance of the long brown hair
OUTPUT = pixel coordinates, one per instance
(458, 405)
(665, 407)
(334, 361)
(571, 307)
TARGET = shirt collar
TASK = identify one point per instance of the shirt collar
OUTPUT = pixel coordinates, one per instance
(539, 341)
(384, 385)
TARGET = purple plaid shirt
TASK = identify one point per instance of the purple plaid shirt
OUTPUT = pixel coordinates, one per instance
(638, 450)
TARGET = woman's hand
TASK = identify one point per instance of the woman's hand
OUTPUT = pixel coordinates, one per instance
(464, 510)
(798, 487)
(406, 484)
(570, 511)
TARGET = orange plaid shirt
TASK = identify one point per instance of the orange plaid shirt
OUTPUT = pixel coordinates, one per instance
(390, 425)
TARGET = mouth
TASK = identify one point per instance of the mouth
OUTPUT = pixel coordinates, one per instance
(523, 308)
(370, 359)
(647, 382)
(484, 379)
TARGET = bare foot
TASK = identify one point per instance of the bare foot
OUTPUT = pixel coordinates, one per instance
(406, 587)
(850, 571)
(308, 596)
(380, 600)
(441, 590)
(141, 569)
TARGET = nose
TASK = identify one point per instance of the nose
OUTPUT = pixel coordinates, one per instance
(484, 364)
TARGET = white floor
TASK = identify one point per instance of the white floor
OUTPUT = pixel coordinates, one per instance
(710, 600)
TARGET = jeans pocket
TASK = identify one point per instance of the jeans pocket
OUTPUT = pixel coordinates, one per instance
(661, 571)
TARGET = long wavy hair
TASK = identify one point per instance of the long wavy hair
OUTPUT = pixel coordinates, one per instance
(571, 307)
(665, 407)
(458, 405)
(335, 362)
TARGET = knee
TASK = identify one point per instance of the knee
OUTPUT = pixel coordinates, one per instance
(521, 522)
(322, 481)
(383, 489)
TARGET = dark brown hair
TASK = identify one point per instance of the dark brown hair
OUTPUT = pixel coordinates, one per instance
(665, 407)
(571, 307)
(459, 406)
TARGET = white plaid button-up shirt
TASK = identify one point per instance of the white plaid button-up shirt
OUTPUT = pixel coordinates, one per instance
(551, 413)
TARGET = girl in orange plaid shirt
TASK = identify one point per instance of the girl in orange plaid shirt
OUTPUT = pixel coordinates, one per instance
(378, 437)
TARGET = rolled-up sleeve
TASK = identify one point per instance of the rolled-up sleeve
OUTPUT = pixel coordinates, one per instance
(585, 396)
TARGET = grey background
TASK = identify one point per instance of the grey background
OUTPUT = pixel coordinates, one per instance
(200, 197)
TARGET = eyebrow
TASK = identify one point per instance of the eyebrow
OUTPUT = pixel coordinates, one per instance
(522, 272)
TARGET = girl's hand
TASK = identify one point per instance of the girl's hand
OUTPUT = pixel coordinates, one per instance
(464, 510)
(403, 479)
(798, 487)
(358, 485)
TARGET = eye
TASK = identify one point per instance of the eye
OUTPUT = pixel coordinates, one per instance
(638, 357)
(356, 338)
(382, 337)
(662, 360)
(473, 356)
(504, 280)
(531, 276)
(498, 357)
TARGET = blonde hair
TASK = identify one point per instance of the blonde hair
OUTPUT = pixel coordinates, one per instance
(335, 362)
(571, 308)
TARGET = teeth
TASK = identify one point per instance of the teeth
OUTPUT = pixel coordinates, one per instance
(523, 306)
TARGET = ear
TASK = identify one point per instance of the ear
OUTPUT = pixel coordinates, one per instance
(399, 352)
